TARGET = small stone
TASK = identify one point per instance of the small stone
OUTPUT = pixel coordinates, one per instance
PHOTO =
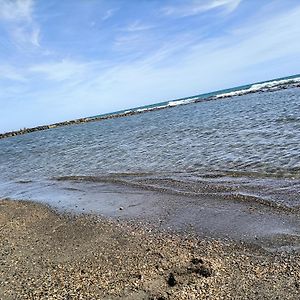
(197, 261)
(171, 280)
(121, 208)
(140, 276)
(204, 271)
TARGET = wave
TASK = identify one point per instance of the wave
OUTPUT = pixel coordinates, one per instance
(258, 87)
(246, 189)
(262, 87)
(140, 110)
(182, 102)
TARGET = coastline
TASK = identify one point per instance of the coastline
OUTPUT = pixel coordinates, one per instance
(262, 87)
(73, 122)
(47, 254)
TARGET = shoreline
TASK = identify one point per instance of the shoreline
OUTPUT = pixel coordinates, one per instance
(48, 254)
(207, 216)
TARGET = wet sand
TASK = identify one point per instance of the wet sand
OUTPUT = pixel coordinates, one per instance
(274, 228)
(51, 255)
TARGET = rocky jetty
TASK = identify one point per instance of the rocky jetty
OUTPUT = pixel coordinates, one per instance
(286, 84)
(43, 127)
(76, 121)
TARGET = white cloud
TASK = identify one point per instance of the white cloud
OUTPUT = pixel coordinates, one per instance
(209, 65)
(138, 26)
(23, 35)
(11, 73)
(62, 70)
(259, 49)
(200, 6)
(109, 13)
(18, 14)
(35, 36)
(125, 42)
(16, 10)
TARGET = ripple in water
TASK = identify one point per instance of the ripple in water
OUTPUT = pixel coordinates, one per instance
(247, 147)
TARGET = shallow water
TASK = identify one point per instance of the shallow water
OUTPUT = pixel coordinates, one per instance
(242, 148)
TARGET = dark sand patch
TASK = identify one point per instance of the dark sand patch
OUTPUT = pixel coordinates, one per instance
(207, 216)
(46, 255)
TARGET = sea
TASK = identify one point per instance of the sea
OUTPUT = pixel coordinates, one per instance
(240, 144)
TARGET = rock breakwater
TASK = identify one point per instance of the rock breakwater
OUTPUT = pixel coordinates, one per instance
(256, 88)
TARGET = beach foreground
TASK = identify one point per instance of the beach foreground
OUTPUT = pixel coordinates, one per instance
(46, 255)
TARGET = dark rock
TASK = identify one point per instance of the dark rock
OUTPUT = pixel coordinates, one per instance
(197, 261)
(171, 280)
(204, 271)
(158, 298)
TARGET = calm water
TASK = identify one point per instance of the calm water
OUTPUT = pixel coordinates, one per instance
(245, 147)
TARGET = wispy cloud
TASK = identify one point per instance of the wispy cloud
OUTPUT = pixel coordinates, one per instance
(200, 6)
(200, 68)
(23, 35)
(109, 13)
(155, 57)
(18, 15)
(16, 10)
(125, 42)
(61, 70)
(9, 72)
(139, 26)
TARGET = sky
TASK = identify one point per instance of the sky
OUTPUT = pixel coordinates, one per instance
(61, 60)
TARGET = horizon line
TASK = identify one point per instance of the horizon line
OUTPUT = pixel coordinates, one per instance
(114, 113)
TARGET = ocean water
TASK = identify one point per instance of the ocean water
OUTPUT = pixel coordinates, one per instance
(285, 82)
(244, 148)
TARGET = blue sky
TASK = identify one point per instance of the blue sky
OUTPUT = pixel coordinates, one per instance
(67, 59)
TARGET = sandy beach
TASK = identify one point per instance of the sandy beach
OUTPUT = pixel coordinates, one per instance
(49, 255)
(150, 150)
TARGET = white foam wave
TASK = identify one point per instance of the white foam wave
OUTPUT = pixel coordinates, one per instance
(260, 87)
(266, 86)
(151, 108)
(142, 109)
(181, 102)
